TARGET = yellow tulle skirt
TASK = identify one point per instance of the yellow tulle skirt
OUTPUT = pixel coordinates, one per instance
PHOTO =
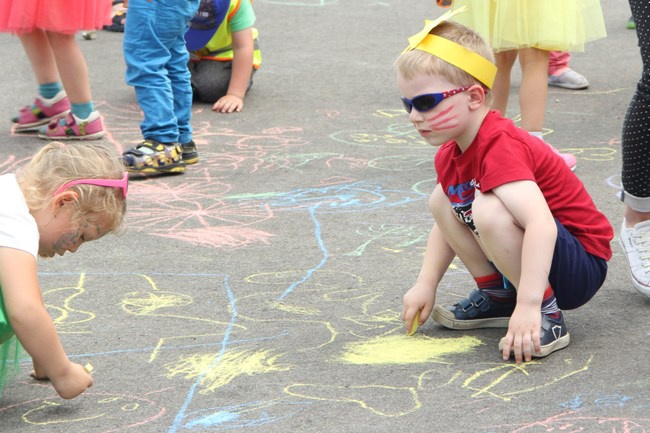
(553, 25)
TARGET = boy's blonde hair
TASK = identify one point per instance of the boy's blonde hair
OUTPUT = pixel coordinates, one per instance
(413, 62)
(58, 163)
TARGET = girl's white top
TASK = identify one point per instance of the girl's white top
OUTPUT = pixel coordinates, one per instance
(18, 228)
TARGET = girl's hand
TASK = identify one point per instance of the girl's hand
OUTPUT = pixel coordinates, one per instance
(72, 382)
(419, 299)
(38, 373)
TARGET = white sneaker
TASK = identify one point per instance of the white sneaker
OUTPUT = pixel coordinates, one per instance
(636, 245)
(568, 79)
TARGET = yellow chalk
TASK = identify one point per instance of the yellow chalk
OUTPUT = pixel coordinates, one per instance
(89, 368)
(415, 324)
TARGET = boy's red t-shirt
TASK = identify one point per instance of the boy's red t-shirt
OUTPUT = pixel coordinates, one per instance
(503, 153)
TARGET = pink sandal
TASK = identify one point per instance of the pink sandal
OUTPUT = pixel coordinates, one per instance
(42, 112)
(71, 127)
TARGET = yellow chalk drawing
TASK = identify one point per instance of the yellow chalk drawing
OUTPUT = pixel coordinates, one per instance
(389, 112)
(41, 411)
(67, 316)
(325, 279)
(157, 303)
(593, 153)
(227, 367)
(506, 370)
(388, 401)
(192, 338)
(381, 323)
(147, 304)
(294, 309)
(434, 379)
(401, 349)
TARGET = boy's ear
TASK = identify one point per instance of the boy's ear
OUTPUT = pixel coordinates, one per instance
(476, 96)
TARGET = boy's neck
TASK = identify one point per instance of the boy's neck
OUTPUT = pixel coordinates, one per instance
(471, 130)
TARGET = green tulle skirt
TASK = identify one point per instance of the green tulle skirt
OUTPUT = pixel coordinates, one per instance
(552, 25)
(10, 349)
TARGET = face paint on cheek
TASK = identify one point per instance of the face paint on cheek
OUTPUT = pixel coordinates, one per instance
(66, 241)
(443, 120)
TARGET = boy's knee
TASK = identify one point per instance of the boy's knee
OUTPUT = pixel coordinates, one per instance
(488, 212)
(438, 202)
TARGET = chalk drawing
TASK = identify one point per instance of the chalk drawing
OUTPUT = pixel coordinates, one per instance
(116, 412)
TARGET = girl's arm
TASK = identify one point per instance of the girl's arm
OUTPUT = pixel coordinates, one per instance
(242, 68)
(33, 325)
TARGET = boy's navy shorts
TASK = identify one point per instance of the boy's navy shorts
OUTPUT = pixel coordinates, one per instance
(575, 274)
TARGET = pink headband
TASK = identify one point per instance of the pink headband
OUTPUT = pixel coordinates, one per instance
(110, 183)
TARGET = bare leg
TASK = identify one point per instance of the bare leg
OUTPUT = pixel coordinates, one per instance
(459, 237)
(534, 88)
(500, 237)
(72, 67)
(501, 88)
(502, 240)
(39, 52)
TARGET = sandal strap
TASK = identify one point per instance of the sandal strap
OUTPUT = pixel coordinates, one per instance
(152, 145)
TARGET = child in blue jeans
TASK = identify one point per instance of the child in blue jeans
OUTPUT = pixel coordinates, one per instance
(156, 66)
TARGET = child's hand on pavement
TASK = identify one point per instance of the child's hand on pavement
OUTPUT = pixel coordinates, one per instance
(74, 380)
(523, 335)
(228, 104)
(38, 373)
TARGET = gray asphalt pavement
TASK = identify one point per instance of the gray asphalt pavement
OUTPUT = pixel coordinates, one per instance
(261, 290)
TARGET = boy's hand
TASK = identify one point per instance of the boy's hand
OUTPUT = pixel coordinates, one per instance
(228, 104)
(419, 299)
(72, 382)
(523, 335)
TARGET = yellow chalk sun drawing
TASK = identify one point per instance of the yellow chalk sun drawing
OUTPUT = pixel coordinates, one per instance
(148, 303)
(397, 349)
(227, 368)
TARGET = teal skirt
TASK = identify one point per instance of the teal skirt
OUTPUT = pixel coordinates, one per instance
(10, 348)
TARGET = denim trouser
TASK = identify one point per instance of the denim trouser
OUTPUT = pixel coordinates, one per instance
(156, 66)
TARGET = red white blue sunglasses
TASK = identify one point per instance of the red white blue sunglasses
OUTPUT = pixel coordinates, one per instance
(426, 102)
(123, 184)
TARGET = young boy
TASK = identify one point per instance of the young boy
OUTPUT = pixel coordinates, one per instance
(156, 66)
(516, 216)
(224, 53)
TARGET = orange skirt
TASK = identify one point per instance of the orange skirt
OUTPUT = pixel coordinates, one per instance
(61, 16)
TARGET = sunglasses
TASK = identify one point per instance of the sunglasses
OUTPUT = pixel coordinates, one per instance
(110, 183)
(423, 103)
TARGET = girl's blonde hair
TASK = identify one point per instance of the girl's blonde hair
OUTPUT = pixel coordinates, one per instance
(413, 62)
(58, 163)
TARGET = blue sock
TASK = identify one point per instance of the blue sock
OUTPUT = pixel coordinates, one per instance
(49, 90)
(82, 111)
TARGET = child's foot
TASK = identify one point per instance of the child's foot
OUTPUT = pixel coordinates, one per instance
(569, 79)
(190, 155)
(554, 336)
(154, 157)
(631, 24)
(41, 112)
(476, 311)
(636, 246)
(71, 127)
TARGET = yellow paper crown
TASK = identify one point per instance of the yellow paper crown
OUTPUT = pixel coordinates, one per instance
(455, 54)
